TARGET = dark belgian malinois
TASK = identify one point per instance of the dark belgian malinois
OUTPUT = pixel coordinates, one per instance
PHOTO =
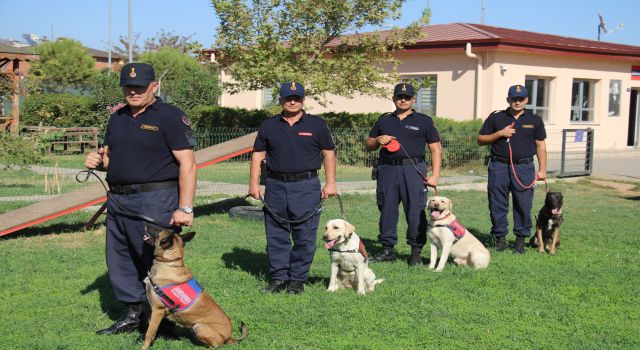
(548, 224)
(172, 292)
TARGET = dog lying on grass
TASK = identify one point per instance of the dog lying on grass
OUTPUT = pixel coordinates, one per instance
(548, 224)
(447, 234)
(172, 292)
(349, 260)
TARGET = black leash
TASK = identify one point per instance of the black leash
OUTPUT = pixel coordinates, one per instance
(123, 211)
(306, 217)
(173, 307)
(416, 167)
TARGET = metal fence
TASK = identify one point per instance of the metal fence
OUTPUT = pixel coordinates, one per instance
(461, 156)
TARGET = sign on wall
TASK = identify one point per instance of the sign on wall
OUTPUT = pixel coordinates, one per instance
(615, 87)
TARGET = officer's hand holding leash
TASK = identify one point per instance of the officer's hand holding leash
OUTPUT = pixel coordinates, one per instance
(384, 139)
(97, 160)
(181, 218)
(508, 131)
(329, 190)
(255, 191)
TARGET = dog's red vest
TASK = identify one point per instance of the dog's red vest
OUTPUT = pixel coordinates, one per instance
(183, 295)
(455, 227)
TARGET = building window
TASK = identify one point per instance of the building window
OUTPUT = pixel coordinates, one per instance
(427, 94)
(582, 101)
(267, 97)
(538, 96)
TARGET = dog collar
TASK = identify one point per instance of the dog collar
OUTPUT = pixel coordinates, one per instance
(360, 250)
(457, 229)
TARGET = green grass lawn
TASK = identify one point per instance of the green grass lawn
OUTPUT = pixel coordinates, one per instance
(56, 291)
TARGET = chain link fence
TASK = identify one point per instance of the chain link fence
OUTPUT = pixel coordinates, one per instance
(461, 156)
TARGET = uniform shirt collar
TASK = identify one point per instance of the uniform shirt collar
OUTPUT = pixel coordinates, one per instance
(413, 112)
(302, 117)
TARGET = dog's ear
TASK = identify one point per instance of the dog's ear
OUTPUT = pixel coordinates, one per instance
(449, 204)
(348, 229)
(187, 236)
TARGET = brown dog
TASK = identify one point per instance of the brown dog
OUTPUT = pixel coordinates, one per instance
(548, 224)
(172, 292)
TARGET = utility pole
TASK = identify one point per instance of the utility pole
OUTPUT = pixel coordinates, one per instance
(109, 39)
(482, 16)
(130, 36)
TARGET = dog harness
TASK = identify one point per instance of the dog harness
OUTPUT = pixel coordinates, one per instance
(178, 297)
(457, 229)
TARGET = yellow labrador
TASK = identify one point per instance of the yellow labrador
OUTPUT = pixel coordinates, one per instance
(446, 233)
(349, 260)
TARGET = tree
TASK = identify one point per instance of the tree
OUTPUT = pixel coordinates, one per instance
(63, 64)
(123, 47)
(325, 44)
(177, 69)
(182, 43)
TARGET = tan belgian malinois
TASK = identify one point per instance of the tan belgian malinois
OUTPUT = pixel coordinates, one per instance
(172, 292)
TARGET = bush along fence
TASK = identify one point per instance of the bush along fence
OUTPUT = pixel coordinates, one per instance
(459, 148)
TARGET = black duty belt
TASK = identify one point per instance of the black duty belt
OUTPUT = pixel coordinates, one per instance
(148, 187)
(293, 177)
(401, 161)
(525, 160)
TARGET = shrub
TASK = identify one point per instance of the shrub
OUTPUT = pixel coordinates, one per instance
(209, 117)
(61, 110)
(19, 151)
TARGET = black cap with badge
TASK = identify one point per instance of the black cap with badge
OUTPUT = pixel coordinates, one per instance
(404, 89)
(137, 74)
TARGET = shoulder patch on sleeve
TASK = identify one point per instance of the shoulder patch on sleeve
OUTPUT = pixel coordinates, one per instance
(185, 120)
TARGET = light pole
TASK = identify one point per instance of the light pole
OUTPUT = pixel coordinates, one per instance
(130, 36)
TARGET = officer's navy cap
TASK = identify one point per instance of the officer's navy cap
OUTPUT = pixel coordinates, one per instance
(291, 89)
(518, 91)
(404, 89)
(138, 74)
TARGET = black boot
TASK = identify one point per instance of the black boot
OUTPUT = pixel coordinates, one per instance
(414, 258)
(501, 243)
(518, 247)
(295, 287)
(275, 286)
(128, 322)
(387, 254)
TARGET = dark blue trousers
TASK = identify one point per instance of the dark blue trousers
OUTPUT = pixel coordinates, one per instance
(501, 183)
(291, 201)
(396, 183)
(128, 257)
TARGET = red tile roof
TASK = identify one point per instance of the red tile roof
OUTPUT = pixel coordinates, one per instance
(453, 35)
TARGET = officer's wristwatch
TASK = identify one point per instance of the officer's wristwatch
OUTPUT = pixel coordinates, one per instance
(187, 210)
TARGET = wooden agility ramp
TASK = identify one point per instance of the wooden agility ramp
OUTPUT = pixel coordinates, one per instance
(46, 210)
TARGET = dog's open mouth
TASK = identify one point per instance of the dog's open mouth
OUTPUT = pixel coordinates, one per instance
(555, 211)
(435, 213)
(330, 244)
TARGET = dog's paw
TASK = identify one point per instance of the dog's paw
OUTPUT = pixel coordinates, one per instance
(361, 292)
(439, 269)
(332, 289)
(431, 267)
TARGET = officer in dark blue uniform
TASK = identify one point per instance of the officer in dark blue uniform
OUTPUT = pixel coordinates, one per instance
(401, 175)
(151, 170)
(515, 135)
(295, 144)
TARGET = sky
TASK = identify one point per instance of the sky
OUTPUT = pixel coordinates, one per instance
(88, 20)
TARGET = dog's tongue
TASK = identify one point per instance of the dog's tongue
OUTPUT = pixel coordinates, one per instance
(554, 211)
(329, 244)
(435, 214)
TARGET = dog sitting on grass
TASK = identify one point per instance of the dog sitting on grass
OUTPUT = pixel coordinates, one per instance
(446, 233)
(349, 260)
(548, 224)
(173, 292)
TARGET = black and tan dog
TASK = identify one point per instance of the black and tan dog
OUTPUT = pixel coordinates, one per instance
(172, 291)
(548, 224)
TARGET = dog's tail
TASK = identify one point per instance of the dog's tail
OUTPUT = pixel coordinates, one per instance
(245, 333)
(376, 282)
